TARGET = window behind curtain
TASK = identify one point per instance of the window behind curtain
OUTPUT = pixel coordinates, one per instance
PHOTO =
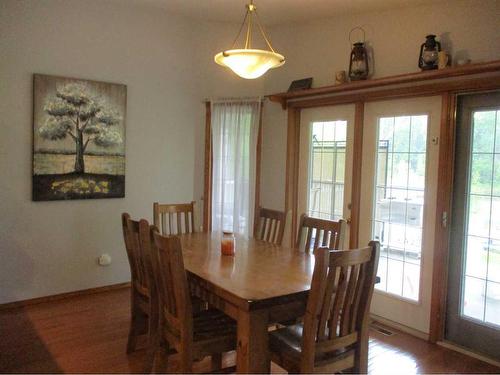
(235, 127)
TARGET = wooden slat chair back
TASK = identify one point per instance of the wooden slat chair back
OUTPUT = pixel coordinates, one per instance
(320, 232)
(336, 322)
(193, 336)
(173, 219)
(271, 226)
(143, 305)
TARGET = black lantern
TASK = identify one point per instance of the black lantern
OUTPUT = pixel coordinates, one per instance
(428, 58)
(358, 65)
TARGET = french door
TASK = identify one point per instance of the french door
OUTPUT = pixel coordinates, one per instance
(398, 204)
(325, 166)
(473, 304)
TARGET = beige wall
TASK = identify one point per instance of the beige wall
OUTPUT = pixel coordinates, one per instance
(51, 247)
(318, 49)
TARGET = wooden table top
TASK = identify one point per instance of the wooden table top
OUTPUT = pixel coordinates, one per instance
(258, 270)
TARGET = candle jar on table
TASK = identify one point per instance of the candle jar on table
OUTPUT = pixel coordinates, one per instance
(227, 243)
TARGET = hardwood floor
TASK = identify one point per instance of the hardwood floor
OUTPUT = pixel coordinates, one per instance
(88, 334)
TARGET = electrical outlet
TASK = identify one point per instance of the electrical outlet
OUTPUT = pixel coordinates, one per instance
(104, 260)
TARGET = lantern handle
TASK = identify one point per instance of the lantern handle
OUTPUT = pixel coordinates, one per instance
(356, 28)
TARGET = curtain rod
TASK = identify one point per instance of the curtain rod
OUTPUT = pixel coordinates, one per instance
(233, 99)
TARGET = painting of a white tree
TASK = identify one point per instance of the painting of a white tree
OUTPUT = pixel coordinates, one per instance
(78, 139)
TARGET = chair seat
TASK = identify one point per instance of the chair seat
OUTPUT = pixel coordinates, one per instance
(287, 339)
(285, 346)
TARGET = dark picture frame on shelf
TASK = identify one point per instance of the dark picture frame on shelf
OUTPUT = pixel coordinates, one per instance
(301, 84)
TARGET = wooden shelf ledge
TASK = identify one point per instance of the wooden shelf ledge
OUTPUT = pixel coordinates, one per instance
(465, 70)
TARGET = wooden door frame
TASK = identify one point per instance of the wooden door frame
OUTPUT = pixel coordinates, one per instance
(448, 91)
(292, 169)
(208, 177)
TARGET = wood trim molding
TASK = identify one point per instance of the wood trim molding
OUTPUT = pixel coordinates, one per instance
(443, 205)
(356, 174)
(417, 77)
(386, 93)
(292, 169)
(462, 350)
(207, 188)
(62, 296)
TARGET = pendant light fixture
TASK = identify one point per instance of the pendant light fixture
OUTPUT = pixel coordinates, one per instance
(247, 62)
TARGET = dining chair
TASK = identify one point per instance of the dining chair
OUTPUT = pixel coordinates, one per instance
(143, 306)
(173, 219)
(320, 232)
(194, 335)
(334, 334)
(271, 226)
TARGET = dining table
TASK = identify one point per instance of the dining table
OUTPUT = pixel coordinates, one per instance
(260, 284)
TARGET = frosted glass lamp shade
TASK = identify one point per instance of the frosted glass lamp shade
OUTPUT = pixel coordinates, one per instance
(249, 63)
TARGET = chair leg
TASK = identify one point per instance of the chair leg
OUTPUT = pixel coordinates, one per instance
(361, 357)
(160, 358)
(150, 360)
(138, 326)
(153, 348)
(132, 334)
(216, 361)
(185, 362)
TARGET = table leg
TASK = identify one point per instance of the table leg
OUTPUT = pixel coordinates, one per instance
(252, 355)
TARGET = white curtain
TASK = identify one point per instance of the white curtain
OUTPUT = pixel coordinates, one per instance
(235, 129)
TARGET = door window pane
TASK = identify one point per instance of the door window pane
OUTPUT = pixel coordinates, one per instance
(496, 172)
(493, 260)
(399, 202)
(481, 277)
(382, 273)
(484, 129)
(492, 314)
(481, 174)
(327, 169)
(477, 256)
(395, 276)
(411, 281)
(474, 293)
(479, 215)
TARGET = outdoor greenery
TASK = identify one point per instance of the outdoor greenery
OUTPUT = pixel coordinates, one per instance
(485, 168)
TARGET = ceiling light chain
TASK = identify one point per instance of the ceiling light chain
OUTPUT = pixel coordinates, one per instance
(248, 41)
(263, 33)
(239, 32)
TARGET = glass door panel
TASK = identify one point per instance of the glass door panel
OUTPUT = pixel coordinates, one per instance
(398, 204)
(325, 168)
(473, 307)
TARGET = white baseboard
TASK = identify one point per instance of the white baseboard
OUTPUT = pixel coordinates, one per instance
(461, 349)
(400, 327)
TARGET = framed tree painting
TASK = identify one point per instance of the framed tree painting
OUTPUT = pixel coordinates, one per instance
(78, 139)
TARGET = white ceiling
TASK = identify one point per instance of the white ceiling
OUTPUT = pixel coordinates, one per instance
(274, 12)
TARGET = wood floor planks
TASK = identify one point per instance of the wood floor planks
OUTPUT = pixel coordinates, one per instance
(88, 334)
